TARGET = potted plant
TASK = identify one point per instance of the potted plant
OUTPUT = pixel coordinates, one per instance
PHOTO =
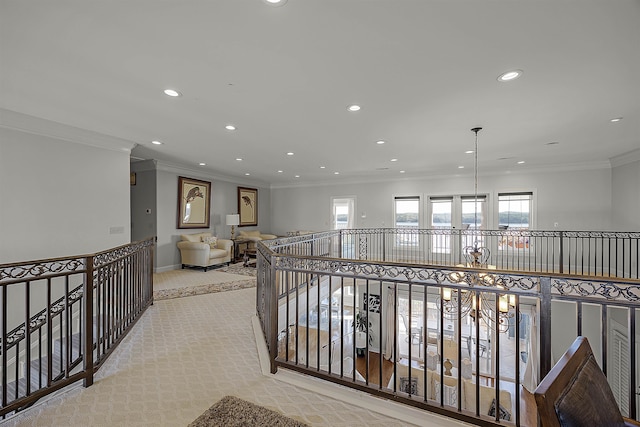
(360, 322)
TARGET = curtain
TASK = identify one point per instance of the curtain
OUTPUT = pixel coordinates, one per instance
(530, 380)
(390, 328)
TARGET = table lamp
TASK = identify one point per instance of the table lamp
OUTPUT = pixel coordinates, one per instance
(233, 220)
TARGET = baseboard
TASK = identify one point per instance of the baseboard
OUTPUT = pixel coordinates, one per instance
(167, 268)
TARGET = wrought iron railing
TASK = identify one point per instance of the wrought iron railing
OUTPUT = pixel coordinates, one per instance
(437, 334)
(84, 306)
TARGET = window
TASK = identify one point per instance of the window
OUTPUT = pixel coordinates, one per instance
(343, 213)
(473, 217)
(441, 214)
(514, 210)
(456, 212)
(441, 208)
(406, 214)
(514, 213)
(343, 217)
(469, 210)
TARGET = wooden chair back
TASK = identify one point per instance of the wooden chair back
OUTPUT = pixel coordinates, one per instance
(576, 392)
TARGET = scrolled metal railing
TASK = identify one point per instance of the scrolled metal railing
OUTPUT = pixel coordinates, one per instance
(90, 303)
(473, 364)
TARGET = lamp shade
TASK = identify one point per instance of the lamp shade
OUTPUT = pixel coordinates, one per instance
(233, 219)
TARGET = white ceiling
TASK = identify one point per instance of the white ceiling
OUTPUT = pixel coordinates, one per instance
(424, 71)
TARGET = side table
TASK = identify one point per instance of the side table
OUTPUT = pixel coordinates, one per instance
(237, 255)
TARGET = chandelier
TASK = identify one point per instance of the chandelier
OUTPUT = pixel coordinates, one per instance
(491, 307)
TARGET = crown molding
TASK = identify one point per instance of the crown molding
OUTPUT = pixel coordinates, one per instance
(413, 177)
(626, 158)
(199, 173)
(50, 129)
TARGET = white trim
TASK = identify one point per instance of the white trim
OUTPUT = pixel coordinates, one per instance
(37, 126)
(569, 167)
(626, 158)
(178, 169)
(168, 268)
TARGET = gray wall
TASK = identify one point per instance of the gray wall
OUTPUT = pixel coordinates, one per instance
(575, 199)
(224, 196)
(626, 192)
(64, 194)
(143, 200)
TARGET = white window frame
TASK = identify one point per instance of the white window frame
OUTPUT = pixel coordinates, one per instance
(437, 243)
(401, 239)
(517, 193)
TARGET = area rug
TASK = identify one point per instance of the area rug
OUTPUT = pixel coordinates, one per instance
(188, 291)
(239, 268)
(231, 411)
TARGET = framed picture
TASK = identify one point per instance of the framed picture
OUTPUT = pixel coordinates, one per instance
(248, 206)
(194, 203)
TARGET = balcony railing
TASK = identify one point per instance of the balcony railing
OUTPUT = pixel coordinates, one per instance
(61, 318)
(400, 314)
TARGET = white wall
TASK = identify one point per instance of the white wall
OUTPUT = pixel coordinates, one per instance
(575, 199)
(626, 192)
(224, 197)
(60, 196)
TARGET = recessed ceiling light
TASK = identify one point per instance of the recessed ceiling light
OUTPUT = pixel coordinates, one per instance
(171, 92)
(460, 167)
(239, 159)
(394, 160)
(509, 75)
(279, 171)
(353, 108)
(202, 164)
(275, 2)
(230, 127)
(401, 171)
(297, 176)
(380, 142)
(336, 173)
(322, 167)
(156, 142)
(521, 162)
(289, 153)
(468, 152)
(247, 174)
(616, 119)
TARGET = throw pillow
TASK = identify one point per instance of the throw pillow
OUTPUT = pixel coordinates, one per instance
(409, 385)
(212, 241)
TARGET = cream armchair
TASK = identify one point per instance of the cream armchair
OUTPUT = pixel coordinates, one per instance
(196, 252)
(254, 236)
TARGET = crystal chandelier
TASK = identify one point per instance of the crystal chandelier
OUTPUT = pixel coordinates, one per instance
(489, 306)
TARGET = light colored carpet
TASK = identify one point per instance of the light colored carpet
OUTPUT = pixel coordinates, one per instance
(231, 411)
(183, 355)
